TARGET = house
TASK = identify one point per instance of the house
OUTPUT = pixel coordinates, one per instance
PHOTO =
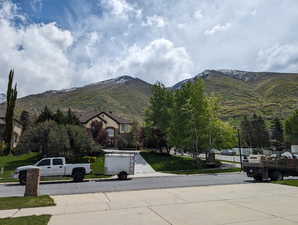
(113, 124)
(17, 129)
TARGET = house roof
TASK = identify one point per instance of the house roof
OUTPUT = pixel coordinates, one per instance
(88, 116)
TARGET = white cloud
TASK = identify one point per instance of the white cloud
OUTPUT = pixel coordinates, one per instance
(198, 14)
(159, 60)
(38, 55)
(218, 28)
(179, 38)
(156, 21)
(121, 8)
(279, 58)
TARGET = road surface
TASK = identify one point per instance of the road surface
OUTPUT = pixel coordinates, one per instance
(113, 185)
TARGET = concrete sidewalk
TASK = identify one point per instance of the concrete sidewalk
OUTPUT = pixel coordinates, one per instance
(241, 204)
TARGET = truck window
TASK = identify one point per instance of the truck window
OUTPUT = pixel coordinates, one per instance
(45, 162)
(57, 162)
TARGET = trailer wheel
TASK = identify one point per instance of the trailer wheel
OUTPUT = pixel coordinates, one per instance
(258, 178)
(23, 177)
(276, 175)
(122, 175)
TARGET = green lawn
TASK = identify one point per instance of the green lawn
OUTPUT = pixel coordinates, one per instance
(25, 202)
(10, 163)
(26, 220)
(287, 182)
(164, 162)
(179, 164)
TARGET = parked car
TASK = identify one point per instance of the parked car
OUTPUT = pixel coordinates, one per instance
(55, 167)
(228, 152)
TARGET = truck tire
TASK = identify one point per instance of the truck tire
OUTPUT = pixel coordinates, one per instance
(258, 178)
(276, 175)
(78, 175)
(122, 175)
(22, 177)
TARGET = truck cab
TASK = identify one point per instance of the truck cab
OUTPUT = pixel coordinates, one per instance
(51, 166)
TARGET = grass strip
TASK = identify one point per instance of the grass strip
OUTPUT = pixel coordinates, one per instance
(26, 220)
(287, 182)
(25, 202)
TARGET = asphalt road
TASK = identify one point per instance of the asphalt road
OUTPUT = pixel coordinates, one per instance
(111, 185)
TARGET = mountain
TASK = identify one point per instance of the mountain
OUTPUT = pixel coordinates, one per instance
(125, 96)
(240, 93)
(243, 93)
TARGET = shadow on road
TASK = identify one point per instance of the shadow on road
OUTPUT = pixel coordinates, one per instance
(70, 182)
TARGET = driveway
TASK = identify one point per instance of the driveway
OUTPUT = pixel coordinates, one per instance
(108, 185)
(241, 204)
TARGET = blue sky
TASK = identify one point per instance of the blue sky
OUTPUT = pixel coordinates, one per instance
(57, 44)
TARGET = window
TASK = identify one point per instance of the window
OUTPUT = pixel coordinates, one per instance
(57, 162)
(111, 132)
(45, 162)
(124, 128)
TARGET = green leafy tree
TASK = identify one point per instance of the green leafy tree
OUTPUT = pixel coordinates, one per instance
(158, 113)
(200, 119)
(9, 116)
(223, 135)
(179, 130)
(291, 128)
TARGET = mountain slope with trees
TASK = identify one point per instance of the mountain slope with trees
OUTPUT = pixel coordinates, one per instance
(240, 93)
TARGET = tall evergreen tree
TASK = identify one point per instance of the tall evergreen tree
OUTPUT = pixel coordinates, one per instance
(45, 115)
(291, 128)
(246, 132)
(59, 117)
(71, 118)
(277, 133)
(254, 132)
(25, 119)
(9, 117)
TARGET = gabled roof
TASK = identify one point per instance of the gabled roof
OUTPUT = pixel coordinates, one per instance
(89, 116)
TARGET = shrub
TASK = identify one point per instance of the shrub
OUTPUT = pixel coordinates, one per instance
(52, 139)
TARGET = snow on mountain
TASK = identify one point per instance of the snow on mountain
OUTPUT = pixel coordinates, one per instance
(237, 74)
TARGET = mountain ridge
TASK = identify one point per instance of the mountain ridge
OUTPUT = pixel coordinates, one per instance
(239, 92)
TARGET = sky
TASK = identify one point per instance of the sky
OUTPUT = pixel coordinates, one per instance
(59, 44)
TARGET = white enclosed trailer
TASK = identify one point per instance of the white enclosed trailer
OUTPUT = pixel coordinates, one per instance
(121, 164)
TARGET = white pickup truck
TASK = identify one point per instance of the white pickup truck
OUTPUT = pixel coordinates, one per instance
(53, 167)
